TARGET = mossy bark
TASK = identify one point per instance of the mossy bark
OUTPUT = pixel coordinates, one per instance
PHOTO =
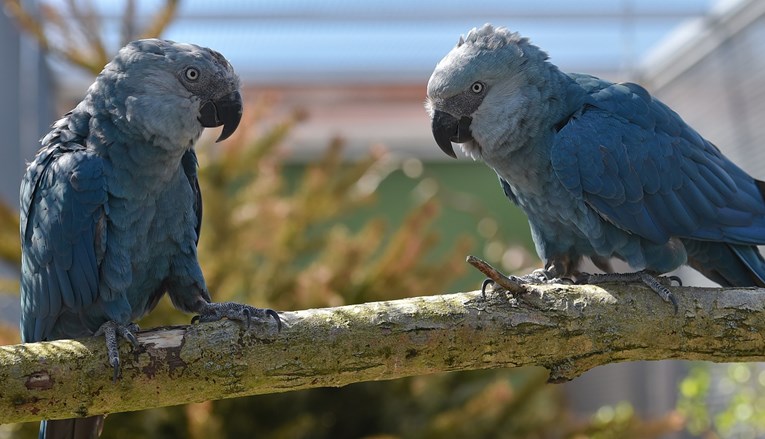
(566, 329)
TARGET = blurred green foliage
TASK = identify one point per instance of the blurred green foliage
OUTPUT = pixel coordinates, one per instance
(10, 252)
(303, 252)
(724, 400)
(73, 31)
(10, 256)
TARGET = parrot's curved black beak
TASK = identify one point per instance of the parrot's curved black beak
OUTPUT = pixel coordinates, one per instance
(447, 129)
(226, 111)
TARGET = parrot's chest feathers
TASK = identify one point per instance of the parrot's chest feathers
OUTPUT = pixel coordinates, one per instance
(547, 195)
(528, 169)
(156, 222)
(562, 224)
(547, 203)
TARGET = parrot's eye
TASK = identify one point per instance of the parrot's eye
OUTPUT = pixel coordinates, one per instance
(477, 87)
(192, 74)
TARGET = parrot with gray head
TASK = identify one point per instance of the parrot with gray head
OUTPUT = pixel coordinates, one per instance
(111, 208)
(602, 170)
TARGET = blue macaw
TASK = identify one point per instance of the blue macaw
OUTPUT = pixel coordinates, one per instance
(111, 208)
(602, 170)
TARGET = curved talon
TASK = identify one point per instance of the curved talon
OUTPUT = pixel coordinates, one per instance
(247, 317)
(486, 283)
(276, 317)
(126, 332)
(195, 319)
(541, 274)
(116, 366)
(676, 279)
(513, 284)
(538, 276)
(660, 289)
(672, 299)
(110, 330)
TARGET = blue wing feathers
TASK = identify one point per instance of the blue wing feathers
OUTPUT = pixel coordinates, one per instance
(641, 167)
(69, 296)
(716, 191)
(62, 196)
(49, 283)
(753, 260)
(190, 164)
(727, 264)
(697, 202)
(649, 175)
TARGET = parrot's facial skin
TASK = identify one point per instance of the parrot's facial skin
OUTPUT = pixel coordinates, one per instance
(451, 112)
(451, 118)
(210, 76)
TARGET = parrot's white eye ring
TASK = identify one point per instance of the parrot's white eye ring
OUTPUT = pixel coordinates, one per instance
(192, 74)
(477, 87)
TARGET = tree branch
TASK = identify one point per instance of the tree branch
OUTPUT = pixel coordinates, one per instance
(564, 328)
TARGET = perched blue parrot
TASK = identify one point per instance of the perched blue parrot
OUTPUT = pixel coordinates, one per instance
(602, 170)
(111, 208)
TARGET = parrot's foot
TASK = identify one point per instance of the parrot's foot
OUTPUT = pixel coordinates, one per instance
(212, 312)
(544, 276)
(646, 278)
(110, 330)
(512, 284)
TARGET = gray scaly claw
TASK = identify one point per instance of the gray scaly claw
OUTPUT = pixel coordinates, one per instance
(663, 292)
(644, 277)
(212, 312)
(110, 330)
(540, 276)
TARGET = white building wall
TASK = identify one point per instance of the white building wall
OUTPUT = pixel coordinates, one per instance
(715, 80)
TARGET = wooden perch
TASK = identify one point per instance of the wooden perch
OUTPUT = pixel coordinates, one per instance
(567, 329)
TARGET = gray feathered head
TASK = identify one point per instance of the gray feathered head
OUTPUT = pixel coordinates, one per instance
(488, 66)
(170, 91)
(487, 50)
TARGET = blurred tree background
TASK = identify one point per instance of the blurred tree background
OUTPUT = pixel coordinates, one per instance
(334, 232)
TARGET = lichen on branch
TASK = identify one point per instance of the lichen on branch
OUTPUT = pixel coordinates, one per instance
(567, 329)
